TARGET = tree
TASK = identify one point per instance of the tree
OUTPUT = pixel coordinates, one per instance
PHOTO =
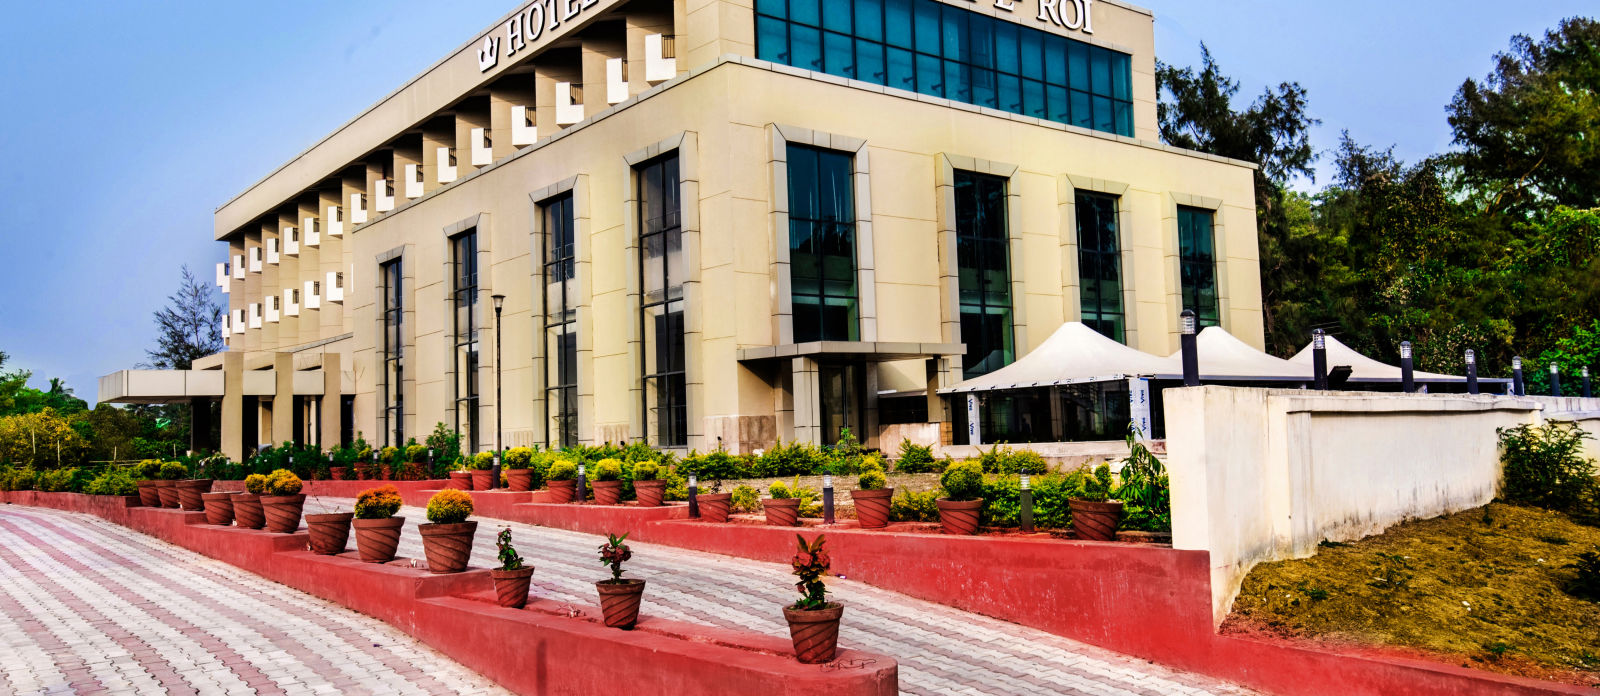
(187, 326)
(42, 439)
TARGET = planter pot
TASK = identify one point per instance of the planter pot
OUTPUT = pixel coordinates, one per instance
(283, 512)
(189, 493)
(781, 512)
(519, 479)
(363, 472)
(377, 540)
(461, 480)
(247, 511)
(481, 479)
(447, 546)
(563, 491)
(714, 506)
(815, 632)
(511, 586)
(336, 473)
(619, 602)
(168, 490)
(959, 516)
(872, 507)
(607, 492)
(329, 532)
(219, 508)
(148, 495)
(1096, 521)
(650, 492)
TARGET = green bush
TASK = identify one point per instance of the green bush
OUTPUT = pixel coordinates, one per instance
(281, 482)
(112, 482)
(149, 469)
(449, 506)
(779, 491)
(1145, 490)
(717, 465)
(914, 506)
(677, 485)
(745, 499)
(608, 470)
(483, 461)
(18, 479)
(872, 480)
(378, 503)
(562, 470)
(793, 459)
(646, 471)
(1002, 500)
(1544, 467)
(914, 458)
(518, 458)
(172, 471)
(55, 480)
(416, 454)
(255, 483)
(1097, 484)
(963, 480)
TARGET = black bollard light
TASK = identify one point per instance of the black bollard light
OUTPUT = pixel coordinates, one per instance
(1025, 501)
(827, 498)
(1407, 384)
(1472, 371)
(1586, 394)
(1555, 379)
(581, 495)
(1186, 342)
(694, 498)
(1517, 386)
(1319, 359)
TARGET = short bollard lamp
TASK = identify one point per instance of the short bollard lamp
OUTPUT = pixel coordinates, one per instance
(1518, 388)
(1472, 371)
(581, 495)
(1319, 358)
(1586, 393)
(1191, 360)
(694, 497)
(827, 498)
(1407, 384)
(1555, 379)
(1025, 501)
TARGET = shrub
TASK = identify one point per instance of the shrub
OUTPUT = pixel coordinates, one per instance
(1586, 583)
(872, 480)
(172, 471)
(449, 506)
(1023, 462)
(914, 458)
(255, 483)
(1002, 500)
(793, 459)
(416, 454)
(779, 491)
(1097, 485)
(811, 566)
(1544, 467)
(562, 470)
(914, 506)
(509, 558)
(745, 499)
(646, 471)
(714, 466)
(112, 482)
(282, 482)
(446, 444)
(518, 458)
(483, 461)
(1145, 492)
(388, 454)
(963, 480)
(378, 503)
(149, 469)
(613, 553)
(55, 480)
(18, 479)
(608, 470)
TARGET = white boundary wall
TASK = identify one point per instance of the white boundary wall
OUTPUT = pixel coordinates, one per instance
(1266, 474)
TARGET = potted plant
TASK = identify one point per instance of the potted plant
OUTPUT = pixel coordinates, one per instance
(813, 620)
(282, 501)
(482, 470)
(167, 482)
(560, 481)
(872, 499)
(149, 471)
(619, 598)
(714, 505)
(607, 482)
(783, 508)
(377, 529)
(518, 476)
(219, 508)
(963, 501)
(647, 484)
(447, 541)
(330, 532)
(512, 578)
(190, 493)
(1095, 516)
(416, 463)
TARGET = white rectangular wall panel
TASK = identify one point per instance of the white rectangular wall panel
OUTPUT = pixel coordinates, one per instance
(616, 84)
(291, 302)
(523, 130)
(482, 147)
(567, 112)
(313, 294)
(238, 266)
(413, 181)
(313, 231)
(657, 67)
(382, 195)
(255, 315)
(446, 167)
(255, 259)
(335, 286)
(291, 241)
(274, 308)
(335, 221)
(358, 208)
(222, 275)
(272, 251)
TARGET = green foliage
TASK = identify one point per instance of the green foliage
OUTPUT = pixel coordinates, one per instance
(416, 454)
(483, 461)
(518, 458)
(811, 564)
(562, 470)
(281, 482)
(963, 480)
(1002, 500)
(779, 491)
(1573, 353)
(1145, 491)
(1585, 583)
(1097, 485)
(745, 499)
(255, 483)
(646, 471)
(55, 480)
(1002, 459)
(41, 439)
(449, 506)
(509, 558)
(714, 466)
(1544, 466)
(446, 445)
(914, 506)
(172, 471)
(18, 479)
(872, 480)
(613, 553)
(112, 482)
(378, 503)
(793, 459)
(913, 458)
(608, 470)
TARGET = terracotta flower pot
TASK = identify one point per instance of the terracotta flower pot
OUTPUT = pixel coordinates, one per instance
(149, 496)
(563, 491)
(336, 473)
(619, 601)
(519, 479)
(247, 512)
(815, 632)
(461, 480)
(189, 493)
(959, 516)
(714, 506)
(481, 479)
(377, 540)
(511, 586)
(330, 532)
(607, 492)
(447, 546)
(650, 493)
(1096, 521)
(219, 508)
(283, 512)
(168, 491)
(872, 507)
(781, 512)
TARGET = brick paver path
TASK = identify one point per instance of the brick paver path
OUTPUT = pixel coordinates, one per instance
(90, 607)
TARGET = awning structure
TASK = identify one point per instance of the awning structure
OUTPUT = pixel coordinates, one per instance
(1366, 370)
(1074, 354)
(1225, 358)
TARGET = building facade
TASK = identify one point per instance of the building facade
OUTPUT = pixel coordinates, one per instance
(711, 223)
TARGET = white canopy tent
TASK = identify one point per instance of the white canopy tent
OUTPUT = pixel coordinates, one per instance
(1225, 358)
(1366, 370)
(1074, 354)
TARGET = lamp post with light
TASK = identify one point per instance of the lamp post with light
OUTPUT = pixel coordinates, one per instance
(1186, 342)
(1472, 371)
(499, 404)
(1319, 359)
(1518, 387)
(1407, 382)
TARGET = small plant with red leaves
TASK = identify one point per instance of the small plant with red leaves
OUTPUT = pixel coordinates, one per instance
(613, 553)
(811, 565)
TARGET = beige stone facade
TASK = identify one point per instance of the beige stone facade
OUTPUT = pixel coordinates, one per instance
(323, 223)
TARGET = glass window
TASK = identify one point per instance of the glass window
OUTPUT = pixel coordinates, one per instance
(560, 323)
(1197, 264)
(983, 272)
(1100, 265)
(464, 302)
(393, 308)
(666, 412)
(822, 244)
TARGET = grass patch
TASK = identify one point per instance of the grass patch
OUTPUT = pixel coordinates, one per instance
(1497, 586)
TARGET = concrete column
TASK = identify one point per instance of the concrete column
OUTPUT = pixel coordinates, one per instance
(283, 398)
(807, 403)
(328, 416)
(233, 414)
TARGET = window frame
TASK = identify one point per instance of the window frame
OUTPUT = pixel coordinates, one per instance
(560, 396)
(667, 173)
(392, 294)
(829, 228)
(1192, 261)
(1102, 256)
(464, 295)
(990, 301)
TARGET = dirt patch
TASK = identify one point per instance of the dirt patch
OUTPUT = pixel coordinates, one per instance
(1482, 588)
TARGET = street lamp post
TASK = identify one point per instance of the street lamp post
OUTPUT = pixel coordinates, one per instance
(499, 404)
(1517, 385)
(1555, 379)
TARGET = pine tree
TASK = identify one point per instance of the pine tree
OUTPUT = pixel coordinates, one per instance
(187, 326)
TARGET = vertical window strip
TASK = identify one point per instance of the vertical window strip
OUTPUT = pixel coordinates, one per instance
(466, 317)
(560, 324)
(661, 307)
(822, 245)
(1197, 264)
(1100, 265)
(983, 272)
(393, 368)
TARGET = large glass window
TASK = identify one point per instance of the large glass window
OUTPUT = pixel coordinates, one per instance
(560, 324)
(1197, 264)
(393, 308)
(929, 47)
(822, 245)
(464, 301)
(984, 272)
(666, 412)
(1100, 264)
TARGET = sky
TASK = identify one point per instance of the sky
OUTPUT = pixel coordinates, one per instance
(126, 124)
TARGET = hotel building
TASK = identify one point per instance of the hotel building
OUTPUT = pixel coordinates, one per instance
(717, 222)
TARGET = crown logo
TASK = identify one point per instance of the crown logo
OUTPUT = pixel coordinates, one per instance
(489, 54)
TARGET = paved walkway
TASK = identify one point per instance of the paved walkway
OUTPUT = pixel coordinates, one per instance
(89, 607)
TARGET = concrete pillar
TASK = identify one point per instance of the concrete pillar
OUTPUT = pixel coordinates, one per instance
(233, 414)
(807, 401)
(328, 416)
(283, 398)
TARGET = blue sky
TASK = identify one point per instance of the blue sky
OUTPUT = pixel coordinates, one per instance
(126, 124)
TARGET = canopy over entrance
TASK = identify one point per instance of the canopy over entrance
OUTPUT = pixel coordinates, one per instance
(1074, 354)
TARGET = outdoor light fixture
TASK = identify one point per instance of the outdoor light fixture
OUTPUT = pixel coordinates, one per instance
(1187, 345)
(1405, 351)
(1555, 379)
(1319, 358)
(1472, 371)
(827, 498)
(1319, 340)
(1407, 384)
(694, 498)
(1516, 363)
(1187, 322)
(499, 409)
(1472, 358)
(1586, 393)
(1517, 386)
